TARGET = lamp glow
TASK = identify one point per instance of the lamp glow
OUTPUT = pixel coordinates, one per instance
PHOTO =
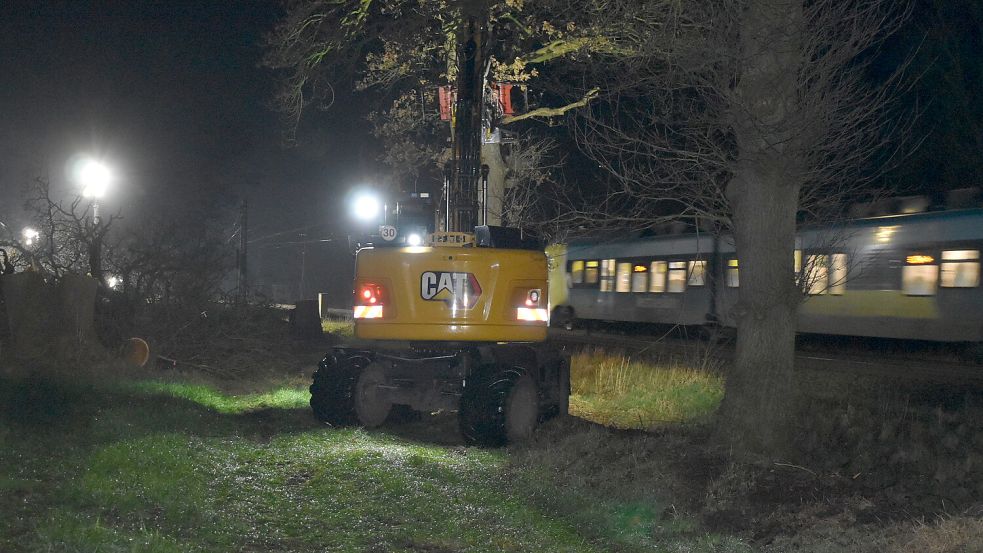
(414, 240)
(30, 235)
(366, 207)
(95, 178)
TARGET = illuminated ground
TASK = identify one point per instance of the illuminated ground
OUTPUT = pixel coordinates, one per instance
(131, 464)
(184, 468)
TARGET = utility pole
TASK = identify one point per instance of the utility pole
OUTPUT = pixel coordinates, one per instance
(303, 267)
(243, 283)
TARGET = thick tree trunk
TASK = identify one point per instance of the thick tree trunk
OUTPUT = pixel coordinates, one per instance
(763, 193)
(756, 406)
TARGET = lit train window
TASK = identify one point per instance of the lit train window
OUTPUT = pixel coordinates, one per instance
(960, 269)
(658, 281)
(577, 272)
(697, 273)
(797, 260)
(826, 274)
(920, 275)
(837, 274)
(623, 283)
(590, 272)
(817, 274)
(639, 278)
(607, 275)
(677, 276)
(733, 277)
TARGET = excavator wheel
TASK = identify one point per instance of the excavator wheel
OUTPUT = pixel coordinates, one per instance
(499, 407)
(333, 389)
(371, 405)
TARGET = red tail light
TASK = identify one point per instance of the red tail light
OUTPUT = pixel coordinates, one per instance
(369, 300)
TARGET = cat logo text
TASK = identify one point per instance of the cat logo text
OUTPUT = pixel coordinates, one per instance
(458, 290)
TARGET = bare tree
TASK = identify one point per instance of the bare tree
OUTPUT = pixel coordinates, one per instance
(746, 115)
(68, 239)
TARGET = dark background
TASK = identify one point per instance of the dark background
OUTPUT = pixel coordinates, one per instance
(171, 95)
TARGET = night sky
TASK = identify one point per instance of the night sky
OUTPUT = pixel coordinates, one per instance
(171, 94)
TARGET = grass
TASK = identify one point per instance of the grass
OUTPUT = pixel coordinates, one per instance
(338, 328)
(171, 466)
(615, 390)
(279, 398)
(153, 466)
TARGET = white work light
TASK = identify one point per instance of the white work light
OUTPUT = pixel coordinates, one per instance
(365, 207)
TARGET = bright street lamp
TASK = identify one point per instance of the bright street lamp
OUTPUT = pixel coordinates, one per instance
(95, 178)
(29, 235)
(366, 206)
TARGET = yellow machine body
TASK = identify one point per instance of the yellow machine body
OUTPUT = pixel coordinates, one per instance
(451, 293)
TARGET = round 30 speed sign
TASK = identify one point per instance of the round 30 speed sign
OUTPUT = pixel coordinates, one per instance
(387, 232)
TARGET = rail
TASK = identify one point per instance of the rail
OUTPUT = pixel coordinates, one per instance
(925, 370)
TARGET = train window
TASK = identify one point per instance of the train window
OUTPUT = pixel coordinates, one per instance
(677, 276)
(797, 261)
(590, 272)
(607, 275)
(623, 283)
(639, 278)
(697, 273)
(733, 277)
(960, 269)
(658, 281)
(919, 275)
(817, 274)
(837, 274)
(577, 272)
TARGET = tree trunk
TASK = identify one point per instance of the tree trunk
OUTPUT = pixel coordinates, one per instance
(755, 410)
(763, 192)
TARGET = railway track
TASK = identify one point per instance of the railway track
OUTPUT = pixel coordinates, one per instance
(920, 369)
(887, 367)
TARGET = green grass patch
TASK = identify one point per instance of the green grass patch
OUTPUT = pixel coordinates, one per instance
(338, 328)
(616, 390)
(154, 466)
(206, 396)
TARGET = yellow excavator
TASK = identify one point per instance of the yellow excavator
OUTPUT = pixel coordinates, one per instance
(459, 321)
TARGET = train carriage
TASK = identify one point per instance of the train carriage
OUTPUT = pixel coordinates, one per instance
(911, 276)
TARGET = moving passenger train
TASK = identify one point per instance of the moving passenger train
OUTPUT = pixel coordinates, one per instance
(911, 276)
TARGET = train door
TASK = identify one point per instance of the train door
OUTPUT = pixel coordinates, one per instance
(960, 305)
